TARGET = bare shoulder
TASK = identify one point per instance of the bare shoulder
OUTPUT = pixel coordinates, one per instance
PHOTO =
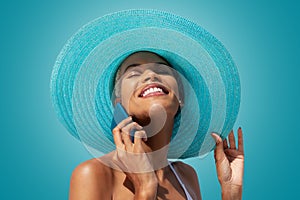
(184, 168)
(91, 179)
(92, 168)
(189, 176)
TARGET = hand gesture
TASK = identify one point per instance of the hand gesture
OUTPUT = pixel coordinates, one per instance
(230, 164)
(132, 159)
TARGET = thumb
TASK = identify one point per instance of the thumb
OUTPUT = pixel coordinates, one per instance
(219, 150)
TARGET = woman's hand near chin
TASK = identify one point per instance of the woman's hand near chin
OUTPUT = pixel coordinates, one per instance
(132, 159)
(230, 165)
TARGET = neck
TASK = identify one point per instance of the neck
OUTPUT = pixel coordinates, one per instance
(159, 135)
(157, 146)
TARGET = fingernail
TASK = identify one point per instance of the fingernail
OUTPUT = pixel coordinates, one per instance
(144, 138)
(214, 136)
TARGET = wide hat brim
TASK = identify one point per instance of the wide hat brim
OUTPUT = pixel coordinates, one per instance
(82, 80)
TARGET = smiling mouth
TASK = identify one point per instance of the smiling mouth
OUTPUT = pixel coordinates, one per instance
(153, 90)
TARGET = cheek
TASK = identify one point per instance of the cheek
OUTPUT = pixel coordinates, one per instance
(127, 89)
(174, 86)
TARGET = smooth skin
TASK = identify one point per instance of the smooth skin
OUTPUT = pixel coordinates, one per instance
(127, 172)
(230, 165)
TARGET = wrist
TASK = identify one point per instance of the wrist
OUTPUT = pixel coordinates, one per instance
(231, 192)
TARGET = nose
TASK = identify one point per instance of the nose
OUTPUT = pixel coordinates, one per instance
(150, 75)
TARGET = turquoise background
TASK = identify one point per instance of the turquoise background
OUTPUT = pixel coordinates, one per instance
(37, 153)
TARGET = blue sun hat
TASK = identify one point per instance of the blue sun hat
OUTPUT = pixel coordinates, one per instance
(82, 81)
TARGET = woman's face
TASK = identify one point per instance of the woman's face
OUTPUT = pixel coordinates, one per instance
(146, 79)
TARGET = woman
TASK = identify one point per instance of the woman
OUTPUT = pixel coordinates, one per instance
(151, 92)
(88, 178)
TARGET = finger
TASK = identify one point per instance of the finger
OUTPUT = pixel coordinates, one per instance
(127, 141)
(124, 122)
(240, 140)
(231, 140)
(117, 137)
(225, 144)
(117, 132)
(130, 127)
(127, 131)
(140, 136)
(219, 151)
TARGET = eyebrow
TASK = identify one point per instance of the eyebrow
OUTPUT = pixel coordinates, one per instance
(136, 64)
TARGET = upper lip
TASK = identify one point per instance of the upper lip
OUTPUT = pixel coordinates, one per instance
(153, 85)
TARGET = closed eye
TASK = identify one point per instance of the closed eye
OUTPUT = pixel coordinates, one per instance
(163, 71)
(132, 74)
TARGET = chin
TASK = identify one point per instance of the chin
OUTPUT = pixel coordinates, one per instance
(141, 112)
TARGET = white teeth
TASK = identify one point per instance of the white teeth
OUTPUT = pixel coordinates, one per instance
(151, 90)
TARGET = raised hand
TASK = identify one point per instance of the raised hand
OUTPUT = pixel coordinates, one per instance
(230, 165)
(132, 159)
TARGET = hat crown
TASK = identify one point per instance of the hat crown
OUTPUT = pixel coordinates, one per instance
(82, 80)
